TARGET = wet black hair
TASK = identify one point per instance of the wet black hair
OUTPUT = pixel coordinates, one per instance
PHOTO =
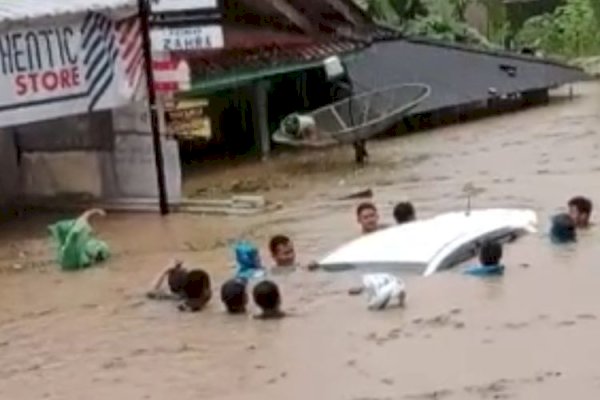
(177, 277)
(563, 229)
(404, 212)
(367, 205)
(490, 253)
(278, 240)
(234, 296)
(266, 295)
(196, 289)
(582, 204)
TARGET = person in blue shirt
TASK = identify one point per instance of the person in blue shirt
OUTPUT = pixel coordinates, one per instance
(248, 263)
(563, 229)
(490, 255)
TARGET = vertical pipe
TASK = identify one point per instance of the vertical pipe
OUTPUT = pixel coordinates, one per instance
(144, 13)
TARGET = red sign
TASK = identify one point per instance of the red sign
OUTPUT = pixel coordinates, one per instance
(171, 75)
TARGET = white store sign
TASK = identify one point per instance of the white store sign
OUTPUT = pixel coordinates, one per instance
(187, 38)
(161, 6)
(54, 69)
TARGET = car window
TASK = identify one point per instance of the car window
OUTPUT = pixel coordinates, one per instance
(470, 249)
(395, 268)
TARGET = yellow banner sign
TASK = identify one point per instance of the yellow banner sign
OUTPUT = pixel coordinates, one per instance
(188, 119)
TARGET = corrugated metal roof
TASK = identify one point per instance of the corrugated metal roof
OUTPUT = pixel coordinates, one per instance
(456, 75)
(19, 10)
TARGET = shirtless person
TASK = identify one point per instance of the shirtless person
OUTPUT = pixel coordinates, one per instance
(192, 288)
(284, 254)
(368, 218)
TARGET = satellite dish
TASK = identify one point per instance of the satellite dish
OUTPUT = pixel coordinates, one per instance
(355, 118)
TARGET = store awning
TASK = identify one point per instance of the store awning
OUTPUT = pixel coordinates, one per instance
(261, 53)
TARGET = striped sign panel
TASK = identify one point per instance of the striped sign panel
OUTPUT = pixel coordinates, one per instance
(103, 42)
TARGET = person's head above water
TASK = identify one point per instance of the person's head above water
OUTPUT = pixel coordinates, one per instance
(266, 296)
(176, 277)
(580, 210)
(282, 251)
(404, 212)
(196, 289)
(368, 217)
(563, 229)
(490, 253)
(234, 296)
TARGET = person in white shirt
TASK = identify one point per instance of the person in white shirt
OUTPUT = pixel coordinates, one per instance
(381, 289)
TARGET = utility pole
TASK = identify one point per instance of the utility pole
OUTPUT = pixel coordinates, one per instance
(143, 15)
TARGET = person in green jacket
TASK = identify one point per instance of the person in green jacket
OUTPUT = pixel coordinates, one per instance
(76, 245)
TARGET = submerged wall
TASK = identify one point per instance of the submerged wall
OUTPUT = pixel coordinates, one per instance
(9, 175)
(97, 156)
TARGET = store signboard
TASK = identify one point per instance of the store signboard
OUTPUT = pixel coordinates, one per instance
(56, 68)
(165, 6)
(187, 119)
(190, 38)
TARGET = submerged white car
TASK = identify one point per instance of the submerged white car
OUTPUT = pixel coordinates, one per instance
(430, 245)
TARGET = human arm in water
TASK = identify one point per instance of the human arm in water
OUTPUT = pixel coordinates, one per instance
(157, 290)
(91, 213)
(355, 291)
(313, 266)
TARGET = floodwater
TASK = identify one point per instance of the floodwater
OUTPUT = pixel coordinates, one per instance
(532, 334)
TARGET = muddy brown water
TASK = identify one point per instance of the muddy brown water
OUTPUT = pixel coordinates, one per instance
(532, 334)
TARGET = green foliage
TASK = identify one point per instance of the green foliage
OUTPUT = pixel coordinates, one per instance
(498, 26)
(595, 4)
(438, 19)
(572, 30)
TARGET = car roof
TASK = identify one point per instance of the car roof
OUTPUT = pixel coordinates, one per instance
(430, 241)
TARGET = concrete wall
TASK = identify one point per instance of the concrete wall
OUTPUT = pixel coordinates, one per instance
(98, 156)
(133, 157)
(66, 156)
(9, 169)
(135, 168)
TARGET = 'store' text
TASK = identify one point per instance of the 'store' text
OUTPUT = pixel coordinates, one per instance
(40, 61)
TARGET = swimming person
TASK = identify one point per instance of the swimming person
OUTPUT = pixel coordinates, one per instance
(563, 229)
(234, 296)
(580, 210)
(381, 289)
(282, 251)
(404, 212)
(284, 255)
(192, 287)
(196, 291)
(268, 298)
(368, 218)
(248, 262)
(175, 275)
(490, 255)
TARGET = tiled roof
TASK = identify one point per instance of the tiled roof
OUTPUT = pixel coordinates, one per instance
(252, 49)
(269, 34)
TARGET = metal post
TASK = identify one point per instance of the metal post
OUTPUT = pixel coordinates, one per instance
(144, 13)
